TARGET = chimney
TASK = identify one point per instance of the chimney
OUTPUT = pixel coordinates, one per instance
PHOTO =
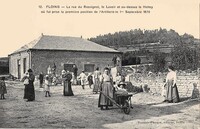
(41, 34)
(81, 36)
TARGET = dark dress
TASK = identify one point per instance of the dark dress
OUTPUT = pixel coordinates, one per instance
(25, 91)
(41, 77)
(90, 80)
(30, 90)
(67, 91)
(172, 92)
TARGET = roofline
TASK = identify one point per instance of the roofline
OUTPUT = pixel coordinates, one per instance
(64, 50)
(76, 51)
(18, 52)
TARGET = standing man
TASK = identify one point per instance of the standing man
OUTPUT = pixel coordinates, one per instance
(41, 78)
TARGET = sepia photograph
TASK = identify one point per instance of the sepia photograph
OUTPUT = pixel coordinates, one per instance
(104, 64)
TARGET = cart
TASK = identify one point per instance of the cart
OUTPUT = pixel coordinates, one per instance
(122, 101)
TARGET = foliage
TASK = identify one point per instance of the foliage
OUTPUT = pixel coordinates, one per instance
(159, 61)
(185, 57)
(129, 58)
(138, 36)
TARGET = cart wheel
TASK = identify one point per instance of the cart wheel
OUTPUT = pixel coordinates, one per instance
(127, 107)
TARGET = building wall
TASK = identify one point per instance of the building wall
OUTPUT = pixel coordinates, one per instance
(13, 63)
(42, 59)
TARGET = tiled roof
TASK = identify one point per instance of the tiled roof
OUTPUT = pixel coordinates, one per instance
(46, 42)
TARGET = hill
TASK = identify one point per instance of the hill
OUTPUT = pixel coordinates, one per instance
(138, 36)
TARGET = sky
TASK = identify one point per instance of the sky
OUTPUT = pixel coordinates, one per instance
(22, 20)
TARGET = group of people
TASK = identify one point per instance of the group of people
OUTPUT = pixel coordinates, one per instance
(107, 86)
(45, 81)
(92, 80)
(103, 83)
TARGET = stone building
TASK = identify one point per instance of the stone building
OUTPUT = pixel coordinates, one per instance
(62, 52)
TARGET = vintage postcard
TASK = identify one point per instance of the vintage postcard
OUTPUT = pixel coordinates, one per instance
(113, 64)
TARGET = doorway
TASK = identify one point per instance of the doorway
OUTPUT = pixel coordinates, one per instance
(19, 69)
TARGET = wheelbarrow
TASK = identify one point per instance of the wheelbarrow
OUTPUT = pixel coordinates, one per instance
(122, 101)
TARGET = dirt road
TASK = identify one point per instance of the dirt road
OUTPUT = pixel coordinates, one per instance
(81, 111)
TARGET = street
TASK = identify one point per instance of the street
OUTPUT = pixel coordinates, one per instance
(81, 111)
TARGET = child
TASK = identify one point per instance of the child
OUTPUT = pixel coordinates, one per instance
(47, 86)
(3, 88)
(83, 79)
(90, 80)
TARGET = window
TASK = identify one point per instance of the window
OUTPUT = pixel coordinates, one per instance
(89, 67)
(68, 67)
(24, 65)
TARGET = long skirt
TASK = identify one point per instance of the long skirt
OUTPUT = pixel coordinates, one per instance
(25, 92)
(172, 94)
(96, 85)
(67, 91)
(30, 92)
(106, 89)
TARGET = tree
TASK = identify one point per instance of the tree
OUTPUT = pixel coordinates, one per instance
(159, 61)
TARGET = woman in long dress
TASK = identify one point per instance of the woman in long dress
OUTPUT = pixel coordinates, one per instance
(30, 92)
(106, 89)
(172, 95)
(66, 77)
(97, 74)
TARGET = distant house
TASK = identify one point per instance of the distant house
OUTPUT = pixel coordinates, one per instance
(4, 65)
(63, 52)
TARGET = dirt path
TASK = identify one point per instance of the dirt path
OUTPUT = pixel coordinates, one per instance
(80, 111)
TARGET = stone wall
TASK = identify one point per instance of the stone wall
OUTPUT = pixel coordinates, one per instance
(39, 60)
(42, 59)
(156, 81)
